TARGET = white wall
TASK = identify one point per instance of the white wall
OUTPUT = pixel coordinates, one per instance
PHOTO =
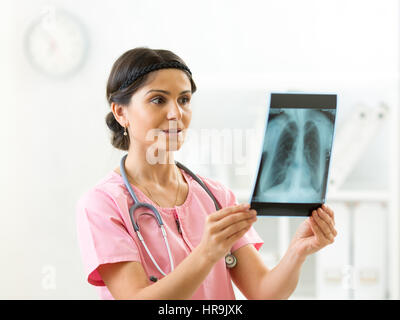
(54, 139)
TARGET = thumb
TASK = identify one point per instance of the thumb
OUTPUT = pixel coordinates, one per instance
(305, 229)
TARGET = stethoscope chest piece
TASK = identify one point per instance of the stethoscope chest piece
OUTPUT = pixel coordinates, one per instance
(230, 260)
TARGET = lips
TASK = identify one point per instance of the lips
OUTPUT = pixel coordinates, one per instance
(172, 130)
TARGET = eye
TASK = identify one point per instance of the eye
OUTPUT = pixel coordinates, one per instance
(157, 100)
(185, 100)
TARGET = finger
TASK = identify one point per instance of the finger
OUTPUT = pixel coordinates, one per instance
(329, 211)
(236, 236)
(217, 215)
(235, 228)
(324, 227)
(326, 217)
(317, 230)
(232, 219)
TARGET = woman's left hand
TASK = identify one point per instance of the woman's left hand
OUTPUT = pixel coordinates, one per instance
(315, 232)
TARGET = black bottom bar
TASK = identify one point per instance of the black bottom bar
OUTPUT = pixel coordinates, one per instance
(284, 209)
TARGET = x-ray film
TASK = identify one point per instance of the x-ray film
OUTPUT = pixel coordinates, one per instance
(295, 156)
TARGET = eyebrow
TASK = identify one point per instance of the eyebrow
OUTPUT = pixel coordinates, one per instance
(166, 92)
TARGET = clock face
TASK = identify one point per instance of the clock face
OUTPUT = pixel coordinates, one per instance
(56, 44)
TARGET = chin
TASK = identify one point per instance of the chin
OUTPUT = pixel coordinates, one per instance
(172, 144)
(156, 152)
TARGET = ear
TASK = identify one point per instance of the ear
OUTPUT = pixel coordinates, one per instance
(119, 112)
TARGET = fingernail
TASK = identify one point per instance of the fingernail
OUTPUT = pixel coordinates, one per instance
(246, 205)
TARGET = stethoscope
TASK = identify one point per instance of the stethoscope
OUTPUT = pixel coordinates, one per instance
(230, 259)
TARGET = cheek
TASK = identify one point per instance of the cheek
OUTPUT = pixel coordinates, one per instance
(141, 128)
(187, 117)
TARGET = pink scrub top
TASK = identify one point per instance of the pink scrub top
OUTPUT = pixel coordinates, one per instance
(106, 234)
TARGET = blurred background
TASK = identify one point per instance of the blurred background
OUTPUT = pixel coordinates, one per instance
(55, 60)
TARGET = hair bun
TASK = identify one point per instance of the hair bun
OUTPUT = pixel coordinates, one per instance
(118, 140)
(112, 123)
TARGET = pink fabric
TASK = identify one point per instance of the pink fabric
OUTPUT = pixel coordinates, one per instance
(106, 235)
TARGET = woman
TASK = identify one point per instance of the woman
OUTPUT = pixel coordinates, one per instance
(149, 92)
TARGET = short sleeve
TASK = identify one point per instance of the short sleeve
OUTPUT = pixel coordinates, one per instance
(102, 235)
(250, 236)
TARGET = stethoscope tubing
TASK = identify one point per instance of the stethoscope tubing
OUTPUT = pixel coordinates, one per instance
(137, 204)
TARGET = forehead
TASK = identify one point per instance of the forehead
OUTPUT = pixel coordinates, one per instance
(168, 79)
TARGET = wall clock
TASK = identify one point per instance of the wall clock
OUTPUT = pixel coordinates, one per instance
(56, 43)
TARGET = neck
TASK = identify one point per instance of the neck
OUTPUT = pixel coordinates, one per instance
(163, 172)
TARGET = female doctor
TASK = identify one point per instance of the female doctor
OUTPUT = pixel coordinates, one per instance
(149, 92)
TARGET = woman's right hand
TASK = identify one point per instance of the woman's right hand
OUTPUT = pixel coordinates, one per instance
(223, 228)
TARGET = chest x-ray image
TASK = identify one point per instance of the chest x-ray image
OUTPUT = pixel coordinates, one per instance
(294, 162)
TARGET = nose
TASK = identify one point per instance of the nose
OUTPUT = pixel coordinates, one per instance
(174, 111)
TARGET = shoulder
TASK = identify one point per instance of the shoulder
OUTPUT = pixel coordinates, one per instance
(221, 191)
(106, 195)
(213, 183)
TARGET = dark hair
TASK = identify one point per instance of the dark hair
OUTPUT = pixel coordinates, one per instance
(128, 64)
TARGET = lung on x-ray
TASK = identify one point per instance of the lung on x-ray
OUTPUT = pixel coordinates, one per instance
(294, 161)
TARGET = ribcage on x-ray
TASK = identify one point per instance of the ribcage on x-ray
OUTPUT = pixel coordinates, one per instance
(284, 155)
(312, 153)
(294, 159)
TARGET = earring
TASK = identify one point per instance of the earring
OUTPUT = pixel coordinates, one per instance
(125, 133)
